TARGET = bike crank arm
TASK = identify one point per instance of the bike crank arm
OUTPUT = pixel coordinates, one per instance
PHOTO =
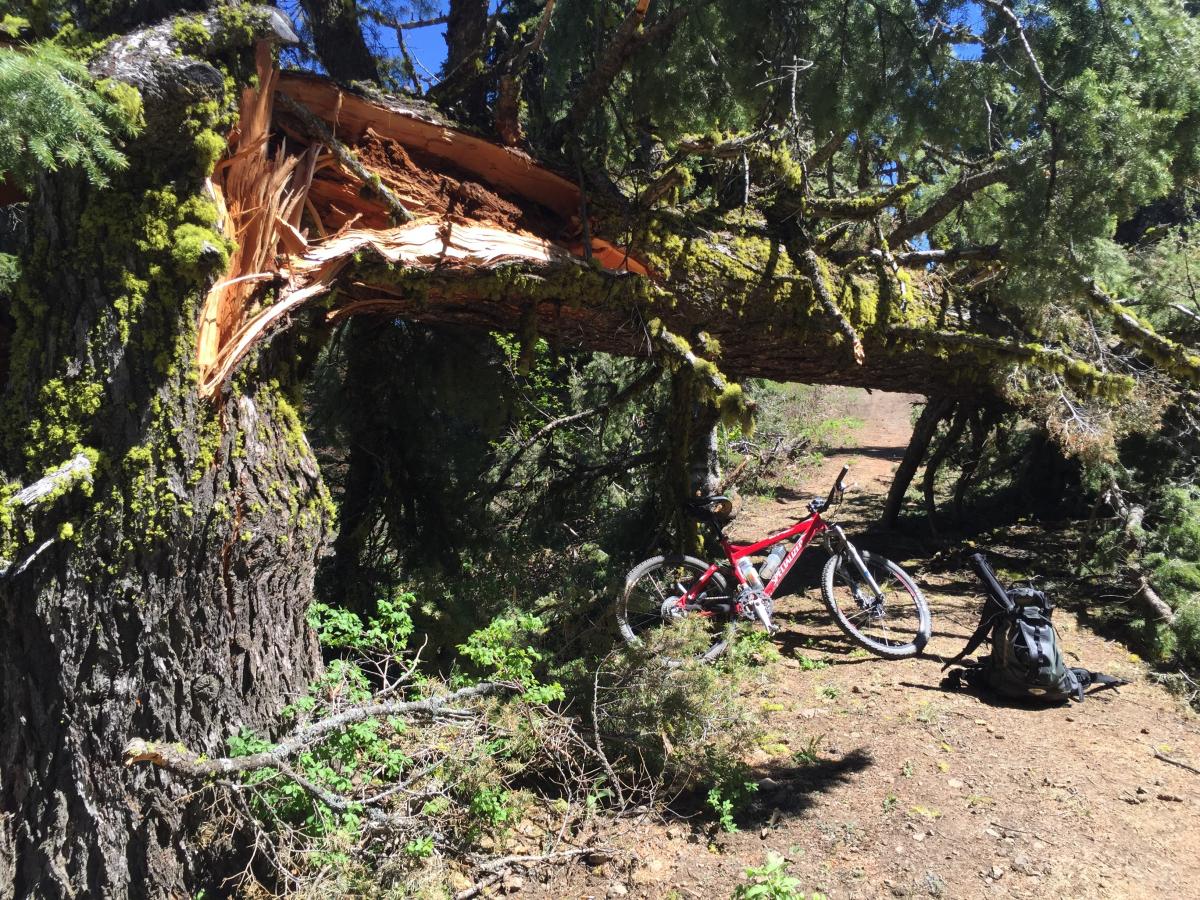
(852, 551)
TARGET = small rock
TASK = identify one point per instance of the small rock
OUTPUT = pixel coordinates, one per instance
(919, 837)
(768, 784)
(992, 833)
(954, 783)
(512, 884)
(675, 831)
(1142, 790)
(997, 873)
(1145, 731)
(616, 889)
(458, 881)
(1170, 798)
(856, 690)
(1022, 866)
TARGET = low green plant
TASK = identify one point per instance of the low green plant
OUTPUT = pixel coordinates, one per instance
(731, 792)
(770, 881)
(810, 753)
(504, 648)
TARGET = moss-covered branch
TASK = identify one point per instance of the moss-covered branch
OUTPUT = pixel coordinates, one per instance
(1166, 353)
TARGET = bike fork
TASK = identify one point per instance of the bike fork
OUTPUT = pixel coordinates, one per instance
(850, 550)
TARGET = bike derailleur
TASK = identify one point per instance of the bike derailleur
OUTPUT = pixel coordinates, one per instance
(755, 605)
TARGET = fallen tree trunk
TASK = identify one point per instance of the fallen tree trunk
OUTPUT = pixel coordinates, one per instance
(496, 241)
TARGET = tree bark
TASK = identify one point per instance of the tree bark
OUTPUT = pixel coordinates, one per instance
(339, 40)
(167, 597)
(466, 31)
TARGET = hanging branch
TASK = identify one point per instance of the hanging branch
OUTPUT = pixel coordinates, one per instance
(825, 152)
(809, 264)
(1175, 358)
(644, 380)
(319, 131)
(1014, 23)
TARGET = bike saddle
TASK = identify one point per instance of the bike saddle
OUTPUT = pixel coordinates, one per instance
(717, 506)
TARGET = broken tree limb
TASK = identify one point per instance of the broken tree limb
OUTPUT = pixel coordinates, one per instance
(318, 130)
(76, 470)
(1158, 754)
(179, 760)
(1148, 597)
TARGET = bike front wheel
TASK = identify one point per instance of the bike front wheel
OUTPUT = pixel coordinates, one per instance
(649, 605)
(895, 627)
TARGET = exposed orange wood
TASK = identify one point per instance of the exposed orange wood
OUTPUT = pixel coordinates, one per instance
(478, 205)
(503, 167)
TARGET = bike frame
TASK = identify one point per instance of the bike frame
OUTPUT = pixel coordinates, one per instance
(804, 531)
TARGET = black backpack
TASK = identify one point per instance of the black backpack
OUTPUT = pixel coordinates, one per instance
(1026, 661)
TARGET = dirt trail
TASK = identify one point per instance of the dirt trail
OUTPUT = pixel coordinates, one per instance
(922, 792)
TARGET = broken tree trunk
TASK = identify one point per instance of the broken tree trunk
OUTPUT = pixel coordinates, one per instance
(171, 598)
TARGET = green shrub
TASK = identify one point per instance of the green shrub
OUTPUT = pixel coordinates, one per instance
(771, 881)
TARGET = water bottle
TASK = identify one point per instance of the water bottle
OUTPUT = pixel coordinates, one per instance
(773, 560)
(750, 574)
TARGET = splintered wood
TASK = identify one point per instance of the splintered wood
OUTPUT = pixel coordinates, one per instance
(300, 217)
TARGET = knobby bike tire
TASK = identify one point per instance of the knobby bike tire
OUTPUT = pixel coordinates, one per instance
(650, 579)
(837, 585)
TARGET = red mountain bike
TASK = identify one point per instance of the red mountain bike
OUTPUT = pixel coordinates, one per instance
(871, 598)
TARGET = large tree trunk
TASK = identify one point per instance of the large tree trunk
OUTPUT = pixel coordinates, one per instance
(169, 597)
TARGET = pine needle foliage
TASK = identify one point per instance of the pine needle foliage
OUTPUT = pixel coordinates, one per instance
(52, 115)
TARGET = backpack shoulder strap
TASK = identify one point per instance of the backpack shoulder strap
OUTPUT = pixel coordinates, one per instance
(997, 604)
(1087, 678)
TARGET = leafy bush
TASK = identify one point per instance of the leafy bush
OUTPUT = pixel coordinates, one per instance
(684, 726)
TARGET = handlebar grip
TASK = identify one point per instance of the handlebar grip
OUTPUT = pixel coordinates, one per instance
(837, 485)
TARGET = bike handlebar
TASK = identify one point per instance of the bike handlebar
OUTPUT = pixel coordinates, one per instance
(838, 485)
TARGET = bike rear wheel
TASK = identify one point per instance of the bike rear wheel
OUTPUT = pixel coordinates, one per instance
(895, 628)
(649, 603)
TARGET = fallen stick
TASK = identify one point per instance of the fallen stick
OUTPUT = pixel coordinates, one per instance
(1158, 754)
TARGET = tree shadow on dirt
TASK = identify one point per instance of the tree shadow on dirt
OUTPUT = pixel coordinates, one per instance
(785, 789)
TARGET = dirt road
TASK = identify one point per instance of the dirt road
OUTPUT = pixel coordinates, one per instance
(918, 791)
